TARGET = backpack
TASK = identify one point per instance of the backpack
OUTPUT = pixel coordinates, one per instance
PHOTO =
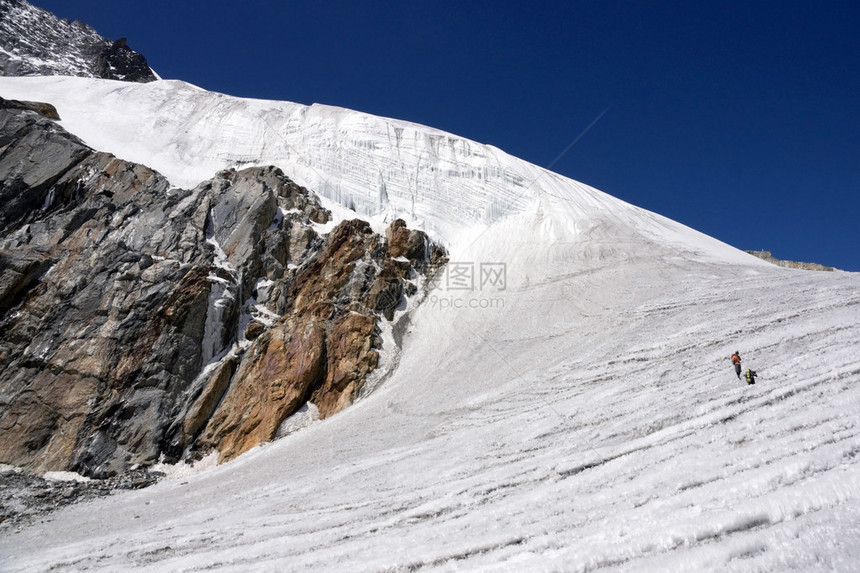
(750, 375)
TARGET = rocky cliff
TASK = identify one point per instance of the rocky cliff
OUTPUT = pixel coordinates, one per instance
(34, 42)
(141, 321)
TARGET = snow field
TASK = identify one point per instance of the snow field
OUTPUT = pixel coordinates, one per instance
(593, 422)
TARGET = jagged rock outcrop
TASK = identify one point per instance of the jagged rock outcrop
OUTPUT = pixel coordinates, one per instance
(119, 62)
(322, 349)
(140, 321)
(273, 379)
(34, 42)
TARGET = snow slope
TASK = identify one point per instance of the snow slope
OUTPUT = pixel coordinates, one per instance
(379, 167)
(581, 414)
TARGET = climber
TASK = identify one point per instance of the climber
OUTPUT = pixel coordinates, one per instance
(750, 376)
(736, 360)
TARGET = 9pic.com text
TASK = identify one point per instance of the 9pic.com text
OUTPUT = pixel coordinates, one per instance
(472, 303)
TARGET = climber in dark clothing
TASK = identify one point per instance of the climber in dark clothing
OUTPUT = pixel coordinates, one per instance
(750, 376)
(736, 360)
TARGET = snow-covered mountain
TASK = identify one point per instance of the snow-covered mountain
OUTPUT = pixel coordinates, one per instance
(34, 42)
(576, 410)
(563, 401)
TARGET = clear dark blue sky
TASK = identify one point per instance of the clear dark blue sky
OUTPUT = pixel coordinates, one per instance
(739, 119)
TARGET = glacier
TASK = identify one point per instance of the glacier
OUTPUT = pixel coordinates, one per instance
(378, 168)
(564, 400)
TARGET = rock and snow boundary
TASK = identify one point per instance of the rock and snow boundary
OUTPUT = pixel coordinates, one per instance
(142, 321)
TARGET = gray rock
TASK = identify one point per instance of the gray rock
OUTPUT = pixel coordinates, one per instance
(25, 498)
(34, 42)
(41, 108)
(122, 302)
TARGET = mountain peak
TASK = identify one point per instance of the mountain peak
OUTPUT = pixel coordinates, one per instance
(35, 42)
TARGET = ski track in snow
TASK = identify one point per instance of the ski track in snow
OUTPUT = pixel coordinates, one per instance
(591, 422)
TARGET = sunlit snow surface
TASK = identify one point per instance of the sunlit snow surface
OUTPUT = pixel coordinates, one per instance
(581, 414)
(381, 168)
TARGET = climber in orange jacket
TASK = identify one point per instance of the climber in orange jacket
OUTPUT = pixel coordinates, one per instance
(736, 360)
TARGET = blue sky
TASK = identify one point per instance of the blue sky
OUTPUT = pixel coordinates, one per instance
(739, 119)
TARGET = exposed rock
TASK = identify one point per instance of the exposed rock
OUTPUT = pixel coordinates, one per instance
(118, 61)
(92, 346)
(29, 186)
(141, 322)
(768, 256)
(254, 329)
(351, 355)
(204, 406)
(322, 350)
(402, 242)
(44, 109)
(20, 274)
(25, 497)
(273, 381)
(340, 273)
(34, 42)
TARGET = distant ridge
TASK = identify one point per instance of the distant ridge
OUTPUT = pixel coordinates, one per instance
(768, 256)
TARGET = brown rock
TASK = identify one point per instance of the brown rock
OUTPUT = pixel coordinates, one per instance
(768, 256)
(403, 242)
(42, 108)
(350, 356)
(273, 381)
(40, 428)
(254, 329)
(318, 286)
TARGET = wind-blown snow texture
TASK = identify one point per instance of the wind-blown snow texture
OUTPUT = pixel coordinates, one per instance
(581, 414)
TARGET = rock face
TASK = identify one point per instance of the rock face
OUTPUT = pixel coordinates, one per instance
(45, 109)
(140, 321)
(34, 42)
